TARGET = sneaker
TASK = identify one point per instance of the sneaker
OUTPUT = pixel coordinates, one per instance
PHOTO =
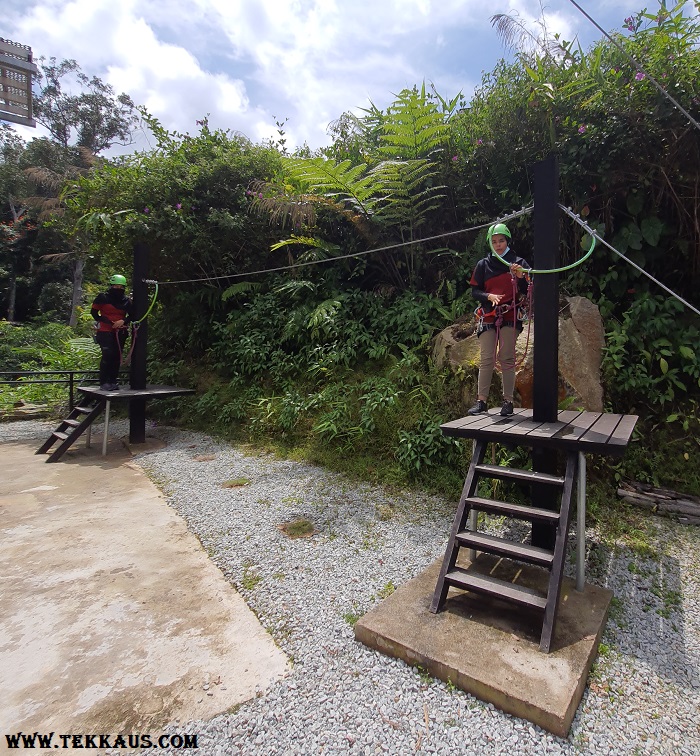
(478, 408)
(507, 409)
(106, 387)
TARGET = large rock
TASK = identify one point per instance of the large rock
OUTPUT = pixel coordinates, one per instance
(456, 346)
(581, 341)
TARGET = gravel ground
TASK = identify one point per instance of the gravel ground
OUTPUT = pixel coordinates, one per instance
(643, 695)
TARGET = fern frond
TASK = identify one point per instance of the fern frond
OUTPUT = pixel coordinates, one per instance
(294, 239)
(413, 127)
(295, 286)
(56, 256)
(322, 319)
(317, 245)
(242, 287)
(342, 182)
(84, 345)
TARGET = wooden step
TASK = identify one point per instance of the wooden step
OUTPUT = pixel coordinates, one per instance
(83, 410)
(512, 473)
(71, 422)
(59, 434)
(518, 511)
(491, 586)
(503, 547)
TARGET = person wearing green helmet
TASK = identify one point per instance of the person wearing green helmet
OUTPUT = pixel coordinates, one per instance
(497, 286)
(112, 310)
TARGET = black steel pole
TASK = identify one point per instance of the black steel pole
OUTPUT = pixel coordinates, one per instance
(137, 407)
(546, 317)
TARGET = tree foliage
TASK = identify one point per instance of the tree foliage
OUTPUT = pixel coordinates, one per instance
(94, 118)
(339, 350)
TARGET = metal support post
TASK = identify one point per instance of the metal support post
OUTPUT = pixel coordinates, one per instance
(473, 514)
(106, 430)
(581, 523)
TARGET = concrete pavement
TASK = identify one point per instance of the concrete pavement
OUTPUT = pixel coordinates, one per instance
(112, 617)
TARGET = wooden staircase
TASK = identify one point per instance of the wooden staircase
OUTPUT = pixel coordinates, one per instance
(70, 429)
(464, 536)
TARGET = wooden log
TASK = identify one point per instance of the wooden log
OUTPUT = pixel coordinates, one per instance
(663, 501)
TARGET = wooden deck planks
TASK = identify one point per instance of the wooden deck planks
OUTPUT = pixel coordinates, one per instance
(150, 392)
(623, 432)
(589, 432)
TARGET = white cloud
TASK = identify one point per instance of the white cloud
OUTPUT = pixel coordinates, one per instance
(247, 62)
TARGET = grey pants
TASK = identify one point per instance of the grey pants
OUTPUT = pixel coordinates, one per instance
(506, 357)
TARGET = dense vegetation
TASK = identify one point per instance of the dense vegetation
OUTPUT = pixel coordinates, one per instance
(332, 359)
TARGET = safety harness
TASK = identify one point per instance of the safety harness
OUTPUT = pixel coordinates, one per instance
(134, 325)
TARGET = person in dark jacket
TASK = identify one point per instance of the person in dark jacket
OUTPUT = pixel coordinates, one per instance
(112, 310)
(494, 286)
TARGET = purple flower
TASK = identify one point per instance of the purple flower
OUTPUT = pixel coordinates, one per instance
(479, 141)
(178, 206)
(260, 195)
(639, 76)
(582, 128)
(455, 158)
(146, 210)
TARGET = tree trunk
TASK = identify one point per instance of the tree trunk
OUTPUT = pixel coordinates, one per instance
(12, 295)
(12, 298)
(77, 291)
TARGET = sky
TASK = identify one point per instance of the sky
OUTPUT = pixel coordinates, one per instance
(249, 63)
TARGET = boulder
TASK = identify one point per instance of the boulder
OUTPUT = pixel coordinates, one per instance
(581, 342)
(456, 346)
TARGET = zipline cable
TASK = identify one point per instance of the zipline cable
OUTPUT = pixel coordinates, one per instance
(594, 233)
(638, 66)
(510, 216)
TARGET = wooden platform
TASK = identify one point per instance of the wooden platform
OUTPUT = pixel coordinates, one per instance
(150, 392)
(96, 400)
(588, 432)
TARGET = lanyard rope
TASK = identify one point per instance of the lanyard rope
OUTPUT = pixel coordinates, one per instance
(150, 307)
(532, 271)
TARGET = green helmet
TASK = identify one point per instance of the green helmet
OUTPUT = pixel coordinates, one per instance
(117, 280)
(498, 228)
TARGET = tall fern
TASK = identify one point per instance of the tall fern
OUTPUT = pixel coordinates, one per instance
(414, 127)
(392, 191)
(410, 191)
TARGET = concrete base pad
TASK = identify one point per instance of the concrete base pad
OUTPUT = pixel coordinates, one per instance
(491, 649)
